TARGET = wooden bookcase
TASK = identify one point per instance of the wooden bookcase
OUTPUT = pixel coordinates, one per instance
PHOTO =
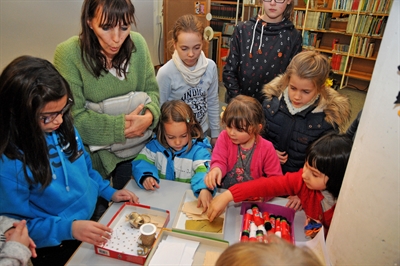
(173, 9)
(225, 15)
(349, 32)
(250, 10)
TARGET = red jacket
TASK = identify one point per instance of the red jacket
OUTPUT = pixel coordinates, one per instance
(289, 184)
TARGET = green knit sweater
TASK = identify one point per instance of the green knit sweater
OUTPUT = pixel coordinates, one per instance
(103, 129)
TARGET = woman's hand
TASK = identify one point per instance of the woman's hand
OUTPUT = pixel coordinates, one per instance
(91, 232)
(150, 183)
(204, 199)
(136, 124)
(282, 155)
(294, 203)
(125, 195)
(213, 178)
(218, 205)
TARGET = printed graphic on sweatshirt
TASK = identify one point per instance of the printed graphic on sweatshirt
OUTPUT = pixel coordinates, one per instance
(196, 99)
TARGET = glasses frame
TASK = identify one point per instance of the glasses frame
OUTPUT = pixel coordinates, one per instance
(276, 1)
(50, 117)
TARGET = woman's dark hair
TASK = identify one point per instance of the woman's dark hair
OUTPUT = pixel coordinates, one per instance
(112, 13)
(244, 113)
(330, 155)
(178, 111)
(27, 84)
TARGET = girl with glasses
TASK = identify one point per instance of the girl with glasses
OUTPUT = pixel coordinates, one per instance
(46, 176)
(261, 49)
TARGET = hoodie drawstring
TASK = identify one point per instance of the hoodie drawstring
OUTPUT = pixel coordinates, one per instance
(252, 40)
(261, 38)
(254, 33)
(60, 154)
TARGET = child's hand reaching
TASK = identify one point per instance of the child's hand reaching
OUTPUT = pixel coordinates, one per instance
(294, 203)
(204, 199)
(91, 232)
(150, 183)
(213, 178)
(125, 195)
(218, 205)
(20, 234)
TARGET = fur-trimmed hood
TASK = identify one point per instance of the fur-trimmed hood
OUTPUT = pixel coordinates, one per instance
(335, 105)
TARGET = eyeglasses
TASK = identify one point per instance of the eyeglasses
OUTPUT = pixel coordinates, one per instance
(276, 1)
(49, 117)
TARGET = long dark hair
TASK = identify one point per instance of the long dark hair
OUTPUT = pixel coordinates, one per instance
(330, 155)
(27, 84)
(112, 13)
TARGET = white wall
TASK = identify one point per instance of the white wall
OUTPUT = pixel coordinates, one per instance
(366, 226)
(35, 27)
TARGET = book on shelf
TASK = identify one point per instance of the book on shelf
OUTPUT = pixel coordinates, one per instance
(371, 47)
(228, 28)
(355, 5)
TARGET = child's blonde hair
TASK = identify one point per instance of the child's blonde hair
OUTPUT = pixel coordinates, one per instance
(178, 111)
(309, 65)
(186, 23)
(244, 113)
(276, 252)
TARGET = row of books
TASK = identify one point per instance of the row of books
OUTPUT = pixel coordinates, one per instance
(338, 62)
(225, 28)
(346, 5)
(362, 46)
(223, 11)
(298, 18)
(374, 6)
(311, 39)
(367, 25)
(318, 20)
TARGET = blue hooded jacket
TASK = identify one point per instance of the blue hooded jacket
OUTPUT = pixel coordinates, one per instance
(185, 166)
(71, 195)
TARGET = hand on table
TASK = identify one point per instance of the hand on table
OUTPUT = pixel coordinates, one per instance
(218, 205)
(294, 203)
(204, 199)
(125, 195)
(91, 232)
(150, 183)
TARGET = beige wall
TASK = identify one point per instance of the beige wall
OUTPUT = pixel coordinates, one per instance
(366, 224)
(35, 27)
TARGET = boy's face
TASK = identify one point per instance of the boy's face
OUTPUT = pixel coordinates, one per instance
(313, 178)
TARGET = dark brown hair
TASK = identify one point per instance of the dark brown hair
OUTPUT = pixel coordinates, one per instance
(244, 113)
(112, 13)
(178, 111)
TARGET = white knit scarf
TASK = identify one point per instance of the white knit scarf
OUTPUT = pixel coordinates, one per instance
(191, 77)
(293, 110)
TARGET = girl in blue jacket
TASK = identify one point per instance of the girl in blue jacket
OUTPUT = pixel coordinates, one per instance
(178, 152)
(46, 176)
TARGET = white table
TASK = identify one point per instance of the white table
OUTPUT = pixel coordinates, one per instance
(168, 197)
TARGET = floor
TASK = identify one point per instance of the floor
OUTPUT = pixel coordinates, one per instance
(357, 99)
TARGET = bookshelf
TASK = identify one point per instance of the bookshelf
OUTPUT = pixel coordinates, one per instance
(171, 13)
(249, 10)
(349, 32)
(225, 16)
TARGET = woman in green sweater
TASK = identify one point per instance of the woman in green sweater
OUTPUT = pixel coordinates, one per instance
(108, 60)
